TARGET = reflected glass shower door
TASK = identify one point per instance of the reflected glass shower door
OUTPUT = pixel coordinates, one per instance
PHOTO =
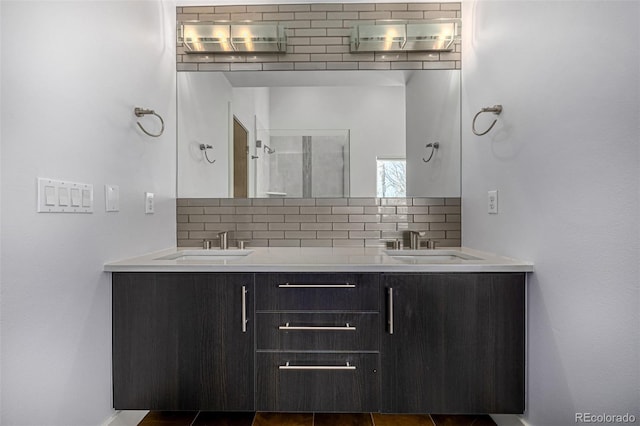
(304, 163)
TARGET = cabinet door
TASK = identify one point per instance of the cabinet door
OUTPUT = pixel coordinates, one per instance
(180, 341)
(457, 344)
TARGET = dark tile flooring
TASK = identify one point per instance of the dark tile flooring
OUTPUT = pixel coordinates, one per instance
(206, 418)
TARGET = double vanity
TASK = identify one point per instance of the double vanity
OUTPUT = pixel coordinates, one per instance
(320, 330)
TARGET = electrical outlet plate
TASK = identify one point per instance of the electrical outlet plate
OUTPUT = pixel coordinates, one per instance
(149, 207)
(492, 201)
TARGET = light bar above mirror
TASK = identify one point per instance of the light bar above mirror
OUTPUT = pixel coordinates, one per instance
(412, 36)
(225, 37)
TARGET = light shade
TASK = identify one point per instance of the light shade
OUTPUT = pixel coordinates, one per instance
(437, 35)
(207, 37)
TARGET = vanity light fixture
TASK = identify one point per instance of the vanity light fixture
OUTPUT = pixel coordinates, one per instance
(224, 37)
(413, 36)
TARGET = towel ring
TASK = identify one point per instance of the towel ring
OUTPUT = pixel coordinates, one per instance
(433, 147)
(204, 148)
(141, 112)
(496, 109)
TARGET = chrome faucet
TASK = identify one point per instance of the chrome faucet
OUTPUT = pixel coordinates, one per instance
(224, 240)
(414, 239)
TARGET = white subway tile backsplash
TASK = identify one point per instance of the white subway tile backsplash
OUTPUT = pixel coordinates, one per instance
(300, 202)
(284, 243)
(348, 210)
(284, 226)
(283, 210)
(350, 226)
(316, 243)
(219, 210)
(333, 218)
(300, 234)
(315, 210)
(315, 226)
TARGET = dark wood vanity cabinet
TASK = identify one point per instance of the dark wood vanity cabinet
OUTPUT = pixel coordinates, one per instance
(454, 343)
(324, 342)
(180, 341)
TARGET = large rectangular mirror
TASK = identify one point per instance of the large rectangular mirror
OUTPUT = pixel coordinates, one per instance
(319, 134)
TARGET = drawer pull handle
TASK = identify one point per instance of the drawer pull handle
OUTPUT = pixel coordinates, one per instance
(287, 366)
(345, 327)
(294, 285)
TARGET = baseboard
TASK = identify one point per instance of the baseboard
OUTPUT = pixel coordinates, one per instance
(508, 420)
(125, 418)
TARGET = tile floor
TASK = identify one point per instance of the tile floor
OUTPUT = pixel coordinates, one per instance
(205, 418)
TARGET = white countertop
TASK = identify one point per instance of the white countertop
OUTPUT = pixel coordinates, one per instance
(329, 259)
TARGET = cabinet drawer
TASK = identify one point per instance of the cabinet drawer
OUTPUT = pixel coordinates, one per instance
(317, 382)
(348, 331)
(317, 291)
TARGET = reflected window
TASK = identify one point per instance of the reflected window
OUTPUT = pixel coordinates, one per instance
(392, 177)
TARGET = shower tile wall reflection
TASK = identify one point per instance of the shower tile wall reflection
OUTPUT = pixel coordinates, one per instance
(303, 164)
(318, 222)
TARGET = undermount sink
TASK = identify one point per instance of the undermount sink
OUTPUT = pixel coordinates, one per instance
(208, 255)
(429, 256)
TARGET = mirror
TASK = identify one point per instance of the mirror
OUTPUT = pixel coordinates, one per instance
(318, 134)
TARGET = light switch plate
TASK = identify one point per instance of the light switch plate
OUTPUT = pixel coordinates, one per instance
(61, 196)
(492, 201)
(112, 198)
(149, 207)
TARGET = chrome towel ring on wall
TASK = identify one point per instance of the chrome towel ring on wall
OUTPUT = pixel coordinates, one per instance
(141, 112)
(204, 148)
(496, 109)
(433, 147)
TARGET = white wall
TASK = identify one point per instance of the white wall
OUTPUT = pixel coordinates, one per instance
(203, 105)
(564, 158)
(72, 72)
(374, 115)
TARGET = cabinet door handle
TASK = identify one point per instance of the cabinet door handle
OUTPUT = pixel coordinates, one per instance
(244, 309)
(287, 366)
(390, 311)
(295, 285)
(345, 327)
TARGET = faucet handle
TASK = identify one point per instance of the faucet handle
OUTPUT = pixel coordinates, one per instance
(431, 244)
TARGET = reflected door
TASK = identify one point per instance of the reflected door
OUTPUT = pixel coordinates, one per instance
(240, 150)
